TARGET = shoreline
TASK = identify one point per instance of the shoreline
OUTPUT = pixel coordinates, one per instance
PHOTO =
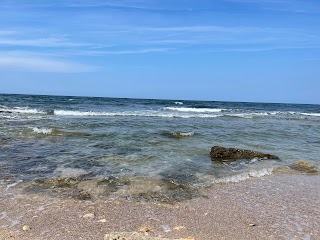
(277, 206)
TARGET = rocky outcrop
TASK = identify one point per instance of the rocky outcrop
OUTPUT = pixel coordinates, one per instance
(232, 154)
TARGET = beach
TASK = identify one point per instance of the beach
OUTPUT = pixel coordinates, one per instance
(85, 167)
(279, 206)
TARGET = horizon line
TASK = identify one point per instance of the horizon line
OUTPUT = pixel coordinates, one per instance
(163, 99)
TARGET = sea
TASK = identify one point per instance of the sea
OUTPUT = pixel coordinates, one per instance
(153, 145)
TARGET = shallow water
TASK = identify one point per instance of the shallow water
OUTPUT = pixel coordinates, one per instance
(45, 137)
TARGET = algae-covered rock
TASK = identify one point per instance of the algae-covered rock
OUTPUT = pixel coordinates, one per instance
(66, 186)
(57, 182)
(304, 167)
(232, 154)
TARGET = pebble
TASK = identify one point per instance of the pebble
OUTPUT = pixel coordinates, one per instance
(26, 228)
(88, 215)
(102, 220)
(179, 228)
(145, 229)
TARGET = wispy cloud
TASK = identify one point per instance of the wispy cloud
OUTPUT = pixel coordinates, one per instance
(209, 35)
(30, 63)
(6, 32)
(35, 38)
(39, 42)
(103, 32)
(294, 6)
(264, 48)
(142, 5)
(117, 52)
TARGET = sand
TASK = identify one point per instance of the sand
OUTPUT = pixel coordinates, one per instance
(279, 206)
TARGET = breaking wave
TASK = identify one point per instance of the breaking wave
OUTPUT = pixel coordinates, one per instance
(311, 114)
(46, 131)
(166, 112)
(177, 135)
(244, 176)
(195, 110)
(132, 114)
(23, 110)
(56, 132)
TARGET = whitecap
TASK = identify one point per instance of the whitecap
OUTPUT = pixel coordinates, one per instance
(251, 115)
(178, 103)
(78, 113)
(132, 114)
(23, 110)
(46, 131)
(311, 114)
(196, 110)
(186, 134)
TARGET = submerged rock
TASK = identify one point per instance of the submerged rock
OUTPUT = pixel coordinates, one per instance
(67, 187)
(177, 135)
(232, 154)
(304, 167)
(57, 182)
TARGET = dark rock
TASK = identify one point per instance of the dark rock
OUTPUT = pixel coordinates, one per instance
(232, 154)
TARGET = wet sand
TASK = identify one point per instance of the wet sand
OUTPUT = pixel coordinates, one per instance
(280, 206)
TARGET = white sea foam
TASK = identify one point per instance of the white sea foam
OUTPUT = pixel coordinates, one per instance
(252, 115)
(106, 114)
(23, 110)
(79, 113)
(132, 114)
(182, 134)
(178, 103)
(13, 184)
(186, 134)
(46, 131)
(178, 112)
(244, 176)
(196, 110)
(311, 114)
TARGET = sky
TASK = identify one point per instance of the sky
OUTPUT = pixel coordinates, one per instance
(219, 50)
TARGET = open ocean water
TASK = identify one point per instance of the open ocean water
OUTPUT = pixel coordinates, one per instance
(139, 141)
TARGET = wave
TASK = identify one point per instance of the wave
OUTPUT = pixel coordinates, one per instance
(244, 176)
(79, 113)
(23, 110)
(131, 114)
(177, 135)
(56, 132)
(185, 134)
(167, 112)
(196, 110)
(178, 103)
(311, 114)
(45, 131)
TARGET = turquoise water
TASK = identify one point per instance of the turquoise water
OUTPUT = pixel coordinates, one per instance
(53, 136)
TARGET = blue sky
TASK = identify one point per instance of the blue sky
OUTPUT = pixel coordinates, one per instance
(233, 50)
